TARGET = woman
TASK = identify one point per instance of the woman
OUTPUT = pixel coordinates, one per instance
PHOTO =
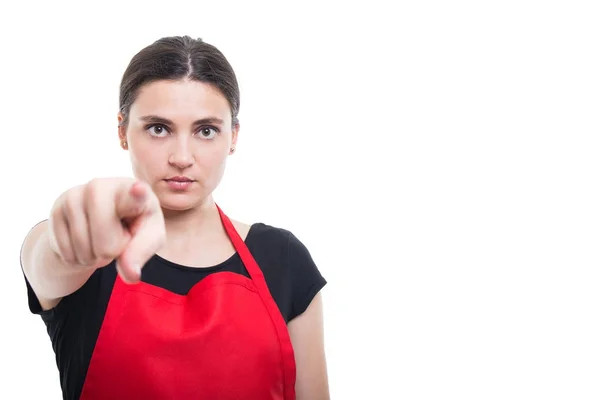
(222, 309)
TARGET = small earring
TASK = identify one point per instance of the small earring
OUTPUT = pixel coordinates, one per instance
(124, 145)
(232, 150)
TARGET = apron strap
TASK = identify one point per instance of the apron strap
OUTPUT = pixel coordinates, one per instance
(287, 351)
(239, 245)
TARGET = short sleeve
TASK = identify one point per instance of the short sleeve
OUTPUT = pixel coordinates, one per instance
(34, 304)
(73, 304)
(306, 278)
(69, 304)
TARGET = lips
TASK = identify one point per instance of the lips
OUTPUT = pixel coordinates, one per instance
(179, 183)
(179, 179)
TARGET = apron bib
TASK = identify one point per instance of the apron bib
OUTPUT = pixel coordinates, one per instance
(226, 339)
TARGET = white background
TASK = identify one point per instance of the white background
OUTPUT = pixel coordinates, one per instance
(438, 159)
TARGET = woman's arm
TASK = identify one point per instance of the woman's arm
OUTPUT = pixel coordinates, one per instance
(50, 277)
(85, 231)
(306, 332)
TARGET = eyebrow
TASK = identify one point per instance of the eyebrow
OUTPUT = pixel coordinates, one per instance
(160, 120)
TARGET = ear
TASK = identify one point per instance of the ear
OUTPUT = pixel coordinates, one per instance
(122, 130)
(234, 137)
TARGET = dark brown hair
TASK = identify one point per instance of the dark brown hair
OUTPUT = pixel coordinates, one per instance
(174, 58)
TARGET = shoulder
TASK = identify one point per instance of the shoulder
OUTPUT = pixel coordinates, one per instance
(260, 231)
(286, 257)
(263, 236)
(266, 236)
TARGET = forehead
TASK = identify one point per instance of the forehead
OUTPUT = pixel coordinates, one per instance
(180, 98)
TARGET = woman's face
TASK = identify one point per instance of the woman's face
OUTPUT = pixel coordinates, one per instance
(179, 130)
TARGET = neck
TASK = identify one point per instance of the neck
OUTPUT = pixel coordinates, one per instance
(194, 223)
(196, 237)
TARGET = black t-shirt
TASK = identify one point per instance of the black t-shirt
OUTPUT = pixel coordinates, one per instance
(74, 324)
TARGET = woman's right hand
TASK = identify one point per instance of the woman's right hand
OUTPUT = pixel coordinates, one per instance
(107, 219)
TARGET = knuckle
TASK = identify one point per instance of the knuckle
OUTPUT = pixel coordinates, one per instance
(82, 248)
(109, 242)
(68, 258)
(66, 253)
(71, 203)
(55, 216)
(82, 261)
(54, 243)
(84, 255)
(79, 247)
(93, 192)
(106, 251)
(94, 183)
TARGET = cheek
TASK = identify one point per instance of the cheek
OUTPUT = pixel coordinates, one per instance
(144, 162)
(212, 163)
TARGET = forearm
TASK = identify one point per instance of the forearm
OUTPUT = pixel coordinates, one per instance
(50, 277)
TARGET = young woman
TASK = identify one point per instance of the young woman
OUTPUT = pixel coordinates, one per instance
(147, 289)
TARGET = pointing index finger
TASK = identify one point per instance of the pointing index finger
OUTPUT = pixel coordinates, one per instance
(132, 200)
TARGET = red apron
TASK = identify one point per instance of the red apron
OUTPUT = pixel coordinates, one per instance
(226, 339)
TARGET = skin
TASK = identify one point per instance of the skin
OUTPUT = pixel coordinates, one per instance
(200, 152)
(129, 220)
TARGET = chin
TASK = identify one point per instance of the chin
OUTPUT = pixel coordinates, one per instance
(179, 202)
(175, 207)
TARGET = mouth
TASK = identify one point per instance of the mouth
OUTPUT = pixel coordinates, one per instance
(179, 183)
(182, 179)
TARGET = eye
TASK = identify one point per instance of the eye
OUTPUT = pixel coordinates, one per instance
(208, 132)
(157, 130)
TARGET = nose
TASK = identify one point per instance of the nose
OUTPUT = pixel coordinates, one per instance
(181, 154)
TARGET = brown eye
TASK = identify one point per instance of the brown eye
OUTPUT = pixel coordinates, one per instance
(208, 132)
(157, 130)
